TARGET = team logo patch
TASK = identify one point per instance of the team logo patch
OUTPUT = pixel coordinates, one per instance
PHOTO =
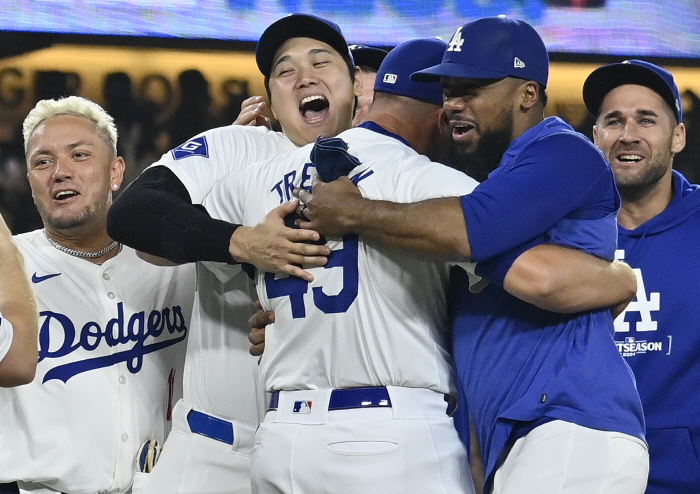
(518, 64)
(194, 147)
(631, 346)
(456, 42)
(390, 78)
(302, 407)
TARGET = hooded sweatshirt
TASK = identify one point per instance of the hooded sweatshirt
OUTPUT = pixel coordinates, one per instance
(659, 336)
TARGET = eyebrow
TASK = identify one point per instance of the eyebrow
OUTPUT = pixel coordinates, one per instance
(312, 51)
(69, 146)
(639, 113)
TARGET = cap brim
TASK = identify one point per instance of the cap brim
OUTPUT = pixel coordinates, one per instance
(296, 26)
(604, 79)
(455, 70)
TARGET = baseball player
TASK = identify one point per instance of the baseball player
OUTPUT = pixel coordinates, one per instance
(18, 316)
(310, 78)
(639, 127)
(357, 359)
(553, 404)
(112, 327)
(368, 60)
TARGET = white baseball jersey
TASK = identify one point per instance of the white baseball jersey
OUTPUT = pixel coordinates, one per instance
(6, 334)
(372, 316)
(221, 377)
(112, 342)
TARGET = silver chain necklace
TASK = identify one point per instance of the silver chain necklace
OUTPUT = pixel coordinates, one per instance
(80, 253)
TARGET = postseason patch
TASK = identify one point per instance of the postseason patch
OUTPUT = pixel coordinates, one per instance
(194, 147)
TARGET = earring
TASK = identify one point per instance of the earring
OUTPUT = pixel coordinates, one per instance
(115, 186)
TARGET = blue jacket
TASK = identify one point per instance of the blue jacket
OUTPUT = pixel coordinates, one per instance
(659, 336)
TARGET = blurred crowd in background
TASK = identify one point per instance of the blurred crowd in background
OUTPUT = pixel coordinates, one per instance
(147, 130)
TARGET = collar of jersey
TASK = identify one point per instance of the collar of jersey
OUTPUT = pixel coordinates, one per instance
(375, 127)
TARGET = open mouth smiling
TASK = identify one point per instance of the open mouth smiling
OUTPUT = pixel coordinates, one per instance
(629, 158)
(62, 195)
(314, 108)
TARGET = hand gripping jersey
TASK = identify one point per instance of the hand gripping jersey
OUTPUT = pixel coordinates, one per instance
(112, 341)
(659, 336)
(371, 318)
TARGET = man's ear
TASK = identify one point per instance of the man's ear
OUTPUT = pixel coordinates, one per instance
(357, 85)
(529, 94)
(678, 138)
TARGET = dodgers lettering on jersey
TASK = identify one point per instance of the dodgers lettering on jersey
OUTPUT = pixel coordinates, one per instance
(59, 337)
(111, 353)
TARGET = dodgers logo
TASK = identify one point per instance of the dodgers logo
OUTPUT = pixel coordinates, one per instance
(456, 42)
(643, 305)
(59, 337)
(302, 407)
(194, 147)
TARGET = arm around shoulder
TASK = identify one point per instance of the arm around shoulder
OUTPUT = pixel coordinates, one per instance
(18, 306)
(434, 228)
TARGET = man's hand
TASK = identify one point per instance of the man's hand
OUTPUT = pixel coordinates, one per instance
(257, 323)
(271, 246)
(251, 113)
(329, 207)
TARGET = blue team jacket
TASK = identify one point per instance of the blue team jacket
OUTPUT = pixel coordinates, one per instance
(659, 336)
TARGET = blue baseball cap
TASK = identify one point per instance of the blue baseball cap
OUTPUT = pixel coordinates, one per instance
(606, 78)
(297, 26)
(368, 56)
(394, 75)
(492, 48)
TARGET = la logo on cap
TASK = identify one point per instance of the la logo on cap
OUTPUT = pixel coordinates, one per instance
(518, 64)
(390, 78)
(456, 42)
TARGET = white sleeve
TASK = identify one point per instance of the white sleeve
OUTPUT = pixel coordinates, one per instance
(421, 181)
(225, 201)
(203, 160)
(6, 333)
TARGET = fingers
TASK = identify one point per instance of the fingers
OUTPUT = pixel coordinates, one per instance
(261, 318)
(257, 322)
(251, 112)
(284, 209)
(302, 194)
(257, 338)
(262, 121)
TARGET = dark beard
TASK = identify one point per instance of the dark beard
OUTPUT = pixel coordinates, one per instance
(480, 162)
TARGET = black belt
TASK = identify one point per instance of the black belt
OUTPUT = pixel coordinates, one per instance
(374, 397)
(211, 427)
(11, 488)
